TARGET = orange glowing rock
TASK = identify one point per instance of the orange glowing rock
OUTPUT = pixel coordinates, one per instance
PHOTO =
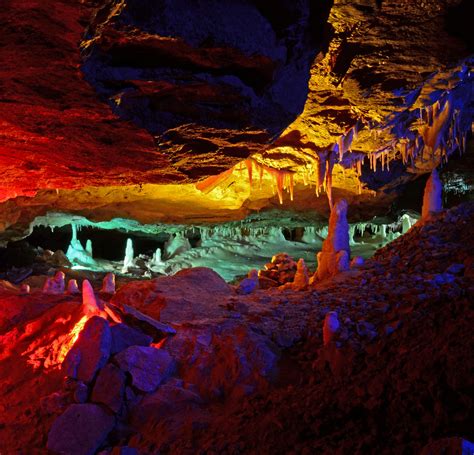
(68, 342)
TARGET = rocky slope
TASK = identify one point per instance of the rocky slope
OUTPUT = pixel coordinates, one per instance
(395, 377)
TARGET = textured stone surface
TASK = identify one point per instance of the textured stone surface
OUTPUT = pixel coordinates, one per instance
(109, 387)
(199, 75)
(148, 366)
(80, 430)
(59, 133)
(124, 336)
(173, 299)
(90, 352)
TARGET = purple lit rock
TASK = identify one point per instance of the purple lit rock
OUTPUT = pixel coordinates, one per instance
(80, 430)
(124, 336)
(90, 352)
(148, 366)
(109, 387)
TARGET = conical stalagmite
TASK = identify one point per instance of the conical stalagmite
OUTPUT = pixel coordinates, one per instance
(301, 279)
(330, 328)
(128, 259)
(432, 198)
(90, 304)
(108, 284)
(335, 255)
(72, 287)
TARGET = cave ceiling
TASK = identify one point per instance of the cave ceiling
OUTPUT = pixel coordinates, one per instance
(166, 110)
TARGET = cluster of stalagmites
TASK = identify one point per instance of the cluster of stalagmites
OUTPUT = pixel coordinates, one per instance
(335, 256)
(111, 360)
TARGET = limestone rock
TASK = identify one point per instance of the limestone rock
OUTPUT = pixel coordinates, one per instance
(331, 327)
(124, 336)
(194, 293)
(432, 197)
(90, 352)
(301, 280)
(249, 284)
(109, 387)
(80, 430)
(108, 284)
(335, 254)
(148, 366)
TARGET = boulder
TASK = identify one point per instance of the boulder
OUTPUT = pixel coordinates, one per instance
(190, 294)
(124, 336)
(80, 430)
(90, 352)
(109, 387)
(148, 366)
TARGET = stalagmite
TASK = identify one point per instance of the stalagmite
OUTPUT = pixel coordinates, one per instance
(301, 279)
(89, 247)
(128, 259)
(90, 304)
(55, 285)
(176, 245)
(108, 284)
(335, 255)
(156, 260)
(432, 198)
(76, 252)
(25, 289)
(72, 287)
(330, 328)
(406, 223)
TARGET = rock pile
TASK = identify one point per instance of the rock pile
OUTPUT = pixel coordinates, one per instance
(108, 369)
(280, 270)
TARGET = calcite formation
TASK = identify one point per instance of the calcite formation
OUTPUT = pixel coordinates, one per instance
(335, 255)
(432, 197)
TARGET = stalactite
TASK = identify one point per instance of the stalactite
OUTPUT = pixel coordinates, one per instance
(249, 164)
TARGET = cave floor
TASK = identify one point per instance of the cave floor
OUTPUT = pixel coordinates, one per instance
(251, 372)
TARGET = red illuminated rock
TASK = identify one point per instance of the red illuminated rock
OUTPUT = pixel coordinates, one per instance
(189, 294)
(90, 352)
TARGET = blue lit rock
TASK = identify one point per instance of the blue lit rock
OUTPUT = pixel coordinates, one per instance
(148, 366)
(81, 430)
(109, 387)
(124, 336)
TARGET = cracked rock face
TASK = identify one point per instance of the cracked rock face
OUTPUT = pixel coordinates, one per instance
(212, 79)
(125, 92)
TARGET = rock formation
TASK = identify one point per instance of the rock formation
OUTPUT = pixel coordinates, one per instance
(335, 255)
(432, 198)
(129, 256)
(108, 284)
(72, 287)
(301, 279)
(331, 327)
